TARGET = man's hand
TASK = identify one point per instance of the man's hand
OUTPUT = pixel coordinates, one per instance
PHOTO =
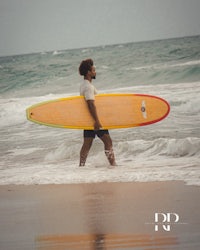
(93, 112)
(97, 125)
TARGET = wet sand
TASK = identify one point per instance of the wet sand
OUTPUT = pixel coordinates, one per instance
(100, 216)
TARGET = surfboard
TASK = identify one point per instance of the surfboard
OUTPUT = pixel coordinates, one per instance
(114, 111)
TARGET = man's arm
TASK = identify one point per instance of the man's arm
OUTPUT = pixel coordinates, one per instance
(93, 112)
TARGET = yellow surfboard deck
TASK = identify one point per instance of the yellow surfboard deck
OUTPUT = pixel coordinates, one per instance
(114, 111)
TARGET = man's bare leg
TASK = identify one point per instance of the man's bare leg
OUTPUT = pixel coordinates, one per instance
(85, 150)
(108, 149)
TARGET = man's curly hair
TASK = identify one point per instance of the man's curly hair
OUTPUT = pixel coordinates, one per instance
(85, 66)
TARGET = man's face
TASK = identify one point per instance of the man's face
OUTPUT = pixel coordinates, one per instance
(93, 72)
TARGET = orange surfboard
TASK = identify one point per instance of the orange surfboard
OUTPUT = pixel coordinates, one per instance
(114, 111)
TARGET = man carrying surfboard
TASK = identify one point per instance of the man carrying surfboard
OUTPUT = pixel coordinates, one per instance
(87, 89)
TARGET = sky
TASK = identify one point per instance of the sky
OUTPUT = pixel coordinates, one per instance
(28, 26)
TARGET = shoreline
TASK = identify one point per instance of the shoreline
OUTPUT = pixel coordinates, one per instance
(100, 216)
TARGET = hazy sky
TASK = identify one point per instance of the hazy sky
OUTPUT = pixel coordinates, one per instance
(28, 26)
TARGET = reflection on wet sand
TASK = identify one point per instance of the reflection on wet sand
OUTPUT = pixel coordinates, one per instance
(108, 221)
(99, 216)
(108, 241)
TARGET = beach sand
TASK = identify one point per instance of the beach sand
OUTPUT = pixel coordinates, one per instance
(100, 216)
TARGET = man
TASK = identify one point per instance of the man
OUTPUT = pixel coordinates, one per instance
(87, 89)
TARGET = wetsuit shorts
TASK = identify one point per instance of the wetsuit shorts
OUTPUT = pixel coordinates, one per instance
(93, 133)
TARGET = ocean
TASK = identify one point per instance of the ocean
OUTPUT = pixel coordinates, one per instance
(168, 150)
